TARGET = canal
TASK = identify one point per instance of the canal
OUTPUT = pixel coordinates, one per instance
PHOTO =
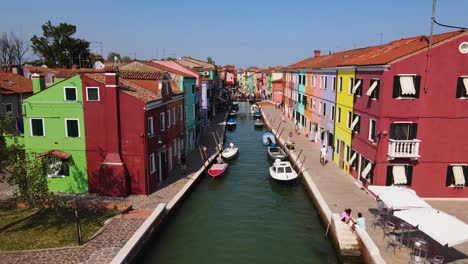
(244, 217)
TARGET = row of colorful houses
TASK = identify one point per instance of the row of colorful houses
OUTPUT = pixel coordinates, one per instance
(260, 81)
(118, 130)
(393, 114)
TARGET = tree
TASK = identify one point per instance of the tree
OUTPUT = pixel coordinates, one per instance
(210, 60)
(58, 47)
(111, 56)
(19, 49)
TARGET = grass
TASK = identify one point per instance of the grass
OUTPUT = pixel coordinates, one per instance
(24, 228)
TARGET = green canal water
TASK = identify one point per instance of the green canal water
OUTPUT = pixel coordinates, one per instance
(243, 217)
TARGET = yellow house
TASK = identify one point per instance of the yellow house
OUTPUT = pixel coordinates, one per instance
(345, 120)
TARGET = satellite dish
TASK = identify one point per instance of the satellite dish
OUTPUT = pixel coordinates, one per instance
(463, 48)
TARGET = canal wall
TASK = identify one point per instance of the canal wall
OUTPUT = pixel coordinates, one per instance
(352, 247)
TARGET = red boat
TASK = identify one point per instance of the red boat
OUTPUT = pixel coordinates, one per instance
(217, 170)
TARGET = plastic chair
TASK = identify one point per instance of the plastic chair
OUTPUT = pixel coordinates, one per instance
(394, 242)
(389, 229)
(378, 220)
(416, 259)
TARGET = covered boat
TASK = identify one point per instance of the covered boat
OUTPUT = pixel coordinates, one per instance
(254, 108)
(268, 138)
(258, 123)
(231, 122)
(282, 171)
(217, 170)
(257, 115)
(232, 112)
(276, 153)
(230, 153)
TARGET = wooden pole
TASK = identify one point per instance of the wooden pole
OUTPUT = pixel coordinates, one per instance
(279, 124)
(302, 164)
(295, 163)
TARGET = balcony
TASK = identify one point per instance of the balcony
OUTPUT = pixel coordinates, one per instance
(403, 149)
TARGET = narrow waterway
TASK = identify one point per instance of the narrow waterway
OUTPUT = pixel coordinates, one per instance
(243, 217)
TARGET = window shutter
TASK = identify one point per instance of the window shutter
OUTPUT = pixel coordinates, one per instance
(413, 131)
(377, 92)
(417, 85)
(460, 87)
(465, 172)
(392, 130)
(450, 179)
(389, 176)
(409, 175)
(396, 87)
(330, 139)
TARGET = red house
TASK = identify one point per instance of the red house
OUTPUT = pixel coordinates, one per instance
(412, 103)
(130, 131)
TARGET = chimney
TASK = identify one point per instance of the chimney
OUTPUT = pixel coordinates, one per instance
(112, 112)
(38, 83)
(316, 53)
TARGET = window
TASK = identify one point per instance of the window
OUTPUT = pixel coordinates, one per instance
(353, 159)
(92, 93)
(340, 83)
(403, 131)
(173, 116)
(399, 174)
(367, 173)
(314, 80)
(357, 89)
(337, 146)
(320, 108)
(174, 143)
(72, 128)
(166, 88)
(347, 153)
(350, 115)
(457, 175)
(70, 94)
(182, 112)
(168, 118)
(372, 130)
(356, 125)
(406, 86)
(313, 104)
(325, 80)
(8, 108)
(152, 163)
(332, 114)
(334, 84)
(150, 127)
(193, 88)
(462, 87)
(161, 120)
(37, 127)
(338, 115)
(330, 139)
(324, 109)
(373, 91)
(351, 85)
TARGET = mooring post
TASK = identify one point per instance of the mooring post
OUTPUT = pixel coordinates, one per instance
(302, 164)
(295, 163)
(78, 228)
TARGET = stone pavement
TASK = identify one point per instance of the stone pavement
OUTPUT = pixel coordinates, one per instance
(113, 236)
(340, 191)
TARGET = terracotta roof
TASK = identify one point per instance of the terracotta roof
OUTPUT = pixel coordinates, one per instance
(154, 67)
(399, 48)
(198, 62)
(68, 73)
(130, 88)
(40, 69)
(11, 83)
(57, 153)
(142, 75)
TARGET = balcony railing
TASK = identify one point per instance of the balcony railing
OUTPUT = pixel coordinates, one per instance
(403, 149)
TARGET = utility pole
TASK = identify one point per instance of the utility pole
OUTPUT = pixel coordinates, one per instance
(381, 36)
(432, 22)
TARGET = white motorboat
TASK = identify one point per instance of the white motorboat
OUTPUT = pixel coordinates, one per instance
(230, 153)
(258, 123)
(254, 108)
(282, 171)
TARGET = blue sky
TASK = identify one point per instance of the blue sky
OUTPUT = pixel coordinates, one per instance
(254, 32)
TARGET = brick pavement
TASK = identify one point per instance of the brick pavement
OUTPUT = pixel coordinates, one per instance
(340, 191)
(113, 236)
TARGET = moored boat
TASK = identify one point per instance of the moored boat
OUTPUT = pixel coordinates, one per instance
(257, 115)
(258, 123)
(254, 108)
(282, 171)
(217, 170)
(275, 153)
(231, 122)
(268, 138)
(230, 153)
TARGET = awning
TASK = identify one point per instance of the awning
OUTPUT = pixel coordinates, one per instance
(355, 121)
(356, 86)
(458, 175)
(372, 88)
(57, 153)
(353, 157)
(407, 85)
(366, 170)
(443, 228)
(399, 174)
(465, 82)
(398, 198)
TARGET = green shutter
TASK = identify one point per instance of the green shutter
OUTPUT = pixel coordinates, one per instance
(417, 85)
(409, 175)
(396, 87)
(389, 180)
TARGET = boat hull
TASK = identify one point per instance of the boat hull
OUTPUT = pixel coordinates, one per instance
(229, 154)
(274, 155)
(217, 170)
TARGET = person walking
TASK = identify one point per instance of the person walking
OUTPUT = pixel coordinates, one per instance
(323, 155)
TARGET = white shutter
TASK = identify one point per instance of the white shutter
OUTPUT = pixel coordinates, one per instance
(355, 121)
(372, 88)
(458, 175)
(356, 87)
(465, 82)
(366, 170)
(353, 157)
(407, 85)
(399, 174)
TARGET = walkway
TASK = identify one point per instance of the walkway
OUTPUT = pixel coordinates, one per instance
(113, 236)
(340, 191)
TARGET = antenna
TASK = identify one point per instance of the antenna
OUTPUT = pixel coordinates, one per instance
(381, 36)
(432, 22)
